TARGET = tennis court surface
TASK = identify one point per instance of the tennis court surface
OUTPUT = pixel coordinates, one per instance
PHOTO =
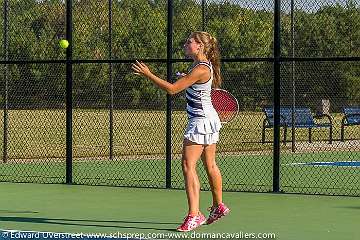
(55, 211)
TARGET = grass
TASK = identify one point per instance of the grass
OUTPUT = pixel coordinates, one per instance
(41, 133)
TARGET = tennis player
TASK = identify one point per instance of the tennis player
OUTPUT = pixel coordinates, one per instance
(202, 132)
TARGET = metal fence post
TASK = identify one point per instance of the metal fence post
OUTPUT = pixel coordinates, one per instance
(6, 79)
(111, 86)
(203, 12)
(293, 129)
(168, 97)
(69, 76)
(277, 65)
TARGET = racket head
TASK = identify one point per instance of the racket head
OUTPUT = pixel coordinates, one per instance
(225, 104)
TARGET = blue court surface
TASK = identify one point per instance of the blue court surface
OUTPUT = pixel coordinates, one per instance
(330, 164)
(14, 234)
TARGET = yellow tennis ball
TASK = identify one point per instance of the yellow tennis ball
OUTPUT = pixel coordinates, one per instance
(63, 43)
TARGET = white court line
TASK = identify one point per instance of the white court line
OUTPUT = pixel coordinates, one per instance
(324, 164)
(306, 163)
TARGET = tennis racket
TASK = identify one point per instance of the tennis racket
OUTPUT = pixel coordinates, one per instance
(225, 104)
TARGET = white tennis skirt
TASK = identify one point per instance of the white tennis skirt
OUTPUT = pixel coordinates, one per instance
(203, 130)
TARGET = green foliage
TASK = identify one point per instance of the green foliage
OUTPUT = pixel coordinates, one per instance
(139, 31)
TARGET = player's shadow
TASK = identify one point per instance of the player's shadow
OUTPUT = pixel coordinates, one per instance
(352, 207)
(91, 223)
(12, 211)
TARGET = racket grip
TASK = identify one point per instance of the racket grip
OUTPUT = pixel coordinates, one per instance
(180, 74)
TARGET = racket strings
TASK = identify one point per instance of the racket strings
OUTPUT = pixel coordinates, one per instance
(225, 105)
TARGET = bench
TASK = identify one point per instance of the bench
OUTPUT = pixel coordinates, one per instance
(303, 119)
(351, 118)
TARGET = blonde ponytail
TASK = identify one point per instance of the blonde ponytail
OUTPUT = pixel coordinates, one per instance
(212, 53)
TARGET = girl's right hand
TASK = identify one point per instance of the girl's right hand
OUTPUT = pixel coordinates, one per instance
(140, 68)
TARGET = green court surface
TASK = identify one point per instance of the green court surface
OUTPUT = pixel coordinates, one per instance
(240, 172)
(99, 209)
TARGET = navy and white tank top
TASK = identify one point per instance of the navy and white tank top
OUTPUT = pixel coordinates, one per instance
(198, 97)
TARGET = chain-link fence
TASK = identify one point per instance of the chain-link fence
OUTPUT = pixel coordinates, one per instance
(80, 115)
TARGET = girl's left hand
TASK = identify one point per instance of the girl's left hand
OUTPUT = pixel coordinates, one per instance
(140, 68)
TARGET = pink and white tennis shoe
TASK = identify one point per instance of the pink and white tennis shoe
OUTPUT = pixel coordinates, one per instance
(217, 212)
(191, 222)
